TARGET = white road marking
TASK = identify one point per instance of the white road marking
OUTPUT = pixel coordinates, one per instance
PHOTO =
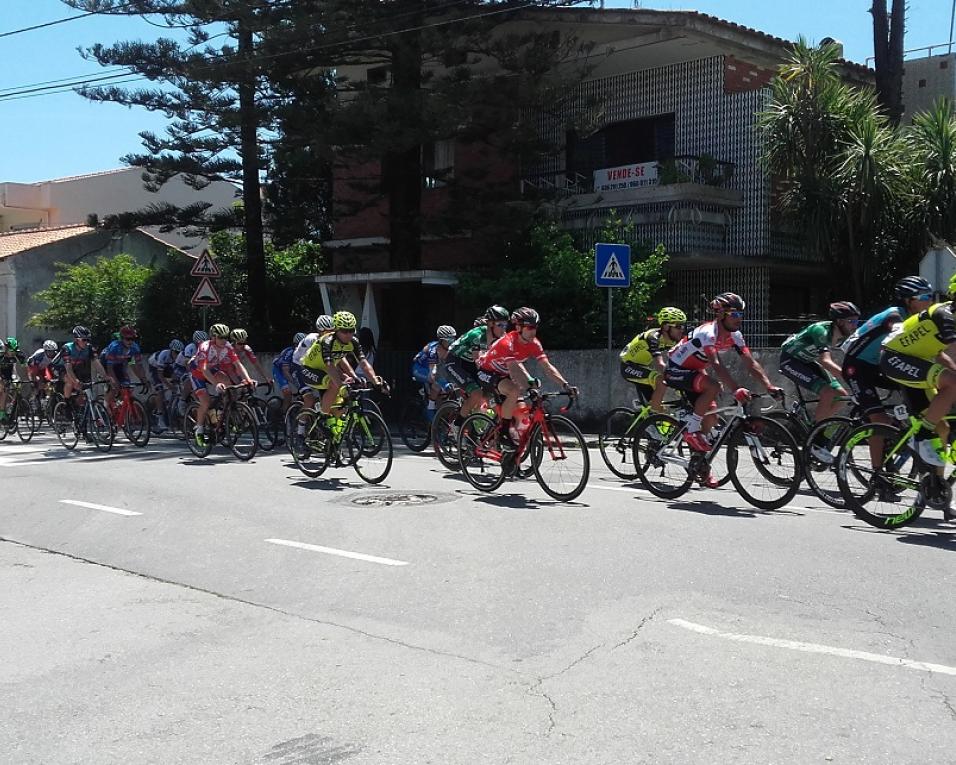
(815, 510)
(795, 645)
(94, 506)
(340, 553)
(615, 488)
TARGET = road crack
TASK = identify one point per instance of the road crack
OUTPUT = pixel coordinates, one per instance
(941, 695)
(634, 634)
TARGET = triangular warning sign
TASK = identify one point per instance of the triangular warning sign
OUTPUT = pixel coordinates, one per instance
(205, 266)
(205, 294)
(613, 271)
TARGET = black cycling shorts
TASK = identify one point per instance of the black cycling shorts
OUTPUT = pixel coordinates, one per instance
(806, 374)
(863, 380)
(462, 373)
(489, 381)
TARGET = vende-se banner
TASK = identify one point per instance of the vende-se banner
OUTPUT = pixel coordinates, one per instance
(626, 176)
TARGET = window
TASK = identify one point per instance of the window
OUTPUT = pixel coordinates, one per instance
(438, 163)
(377, 75)
(623, 143)
(922, 83)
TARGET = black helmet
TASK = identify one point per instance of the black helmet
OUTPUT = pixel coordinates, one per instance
(81, 333)
(727, 301)
(497, 313)
(909, 286)
(527, 316)
(843, 310)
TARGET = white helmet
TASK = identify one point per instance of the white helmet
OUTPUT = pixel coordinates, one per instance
(446, 332)
(175, 346)
(50, 346)
(298, 338)
(324, 323)
(199, 337)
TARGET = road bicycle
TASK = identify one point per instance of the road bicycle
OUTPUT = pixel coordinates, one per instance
(763, 457)
(415, 427)
(353, 436)
(170, 405)
(552, 445)
(129, 415)
(20, 415)
(364, 394)
(72, 420)
(229, 421)
(268, 414)
(901, 486)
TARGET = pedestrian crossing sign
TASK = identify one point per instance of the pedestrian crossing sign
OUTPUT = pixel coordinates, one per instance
(612, 265)
(205, 266)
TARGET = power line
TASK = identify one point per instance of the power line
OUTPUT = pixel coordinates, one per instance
(62, 21)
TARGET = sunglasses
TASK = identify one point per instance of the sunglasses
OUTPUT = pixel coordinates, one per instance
(528, 326)
(924, 296)
(502, 324)
(735, 314)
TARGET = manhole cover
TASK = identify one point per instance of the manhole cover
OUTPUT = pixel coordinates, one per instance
(393, 498)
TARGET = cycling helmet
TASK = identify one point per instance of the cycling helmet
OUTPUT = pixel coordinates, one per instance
(480, 321)
(298, 337)
(219, 330)
(50, 346)
(3, 346)
(843, 309)
(446, 332)
(324, 323)
(176, 346)
(910, 286)
(128, 332)
(952, 291)
(525, 316)
(727, 301)
(497, 313)
(671, 316)
(12, 343)
(344, 320)
(81, 333)
(238, 335)
(199, 337)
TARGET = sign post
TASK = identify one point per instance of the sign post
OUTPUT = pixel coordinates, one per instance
(205, 268)
(612, 268)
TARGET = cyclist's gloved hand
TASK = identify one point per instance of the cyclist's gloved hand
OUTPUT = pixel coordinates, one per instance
(570, 390)
(742, 395)
(776, 392)
(251, 383)
(448, 387)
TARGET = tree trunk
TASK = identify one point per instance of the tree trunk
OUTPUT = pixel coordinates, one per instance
(259, 324)
(856, 264)
(888, 35)
(403, 166)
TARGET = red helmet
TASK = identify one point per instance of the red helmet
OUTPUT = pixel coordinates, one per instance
(525, 316)
(128, 332)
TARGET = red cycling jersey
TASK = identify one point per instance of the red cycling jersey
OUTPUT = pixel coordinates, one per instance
(507, 349)
(244, 352)
(214, 357)
(700, 347)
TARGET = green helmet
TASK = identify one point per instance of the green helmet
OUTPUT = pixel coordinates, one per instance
(344, 320)
(671, 315)
(12, 343)
(952, 286)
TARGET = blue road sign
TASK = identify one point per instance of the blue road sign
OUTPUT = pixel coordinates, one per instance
(612, 265)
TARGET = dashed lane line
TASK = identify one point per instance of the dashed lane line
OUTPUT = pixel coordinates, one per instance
(94, 506)
(796, 645)
(340, 553)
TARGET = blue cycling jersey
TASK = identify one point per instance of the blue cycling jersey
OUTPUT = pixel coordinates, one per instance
(864, 344)
(427, 355)
(284, 358)
(116, 353)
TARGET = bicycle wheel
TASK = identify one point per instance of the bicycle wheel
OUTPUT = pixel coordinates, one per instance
(265, 435)
(560, 458)
(243, 431)
(289, 425)
(136, 425)
(64, 426)
(26, 421)
(274, 421)
(829, 434)
(99, 426)
(616, 442)
(479, 452)
(312, 449)
(368, 433)
(661, 460)
(8, 424)
(199, 445)
(414, 428)
(764, 462)
(445, 435)
(891, 495)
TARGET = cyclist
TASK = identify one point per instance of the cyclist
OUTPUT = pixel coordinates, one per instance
(687, 364)
(425, 366)
(238, 338)
(119, 355)
(181, 368)
(79, 358)
(283, 373)
(43, 366)
(861, 364)
(325, 366)
(501, 368)
(162, 375)
(323, 326)
(919, 355)
(805, 358)
(10, 356)
(461, 363)
(642, 360)
(214, 359)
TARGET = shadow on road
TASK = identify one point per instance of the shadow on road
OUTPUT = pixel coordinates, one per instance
(707, 507)
(517, 501)
(333, 484)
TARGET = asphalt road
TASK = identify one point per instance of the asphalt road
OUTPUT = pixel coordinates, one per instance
(242, 613)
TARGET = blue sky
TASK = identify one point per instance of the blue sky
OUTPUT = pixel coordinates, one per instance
(58, 135)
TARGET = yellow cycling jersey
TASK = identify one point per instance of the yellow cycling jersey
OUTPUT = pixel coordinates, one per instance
(328, 350)
(645, 346)
(925, 334)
